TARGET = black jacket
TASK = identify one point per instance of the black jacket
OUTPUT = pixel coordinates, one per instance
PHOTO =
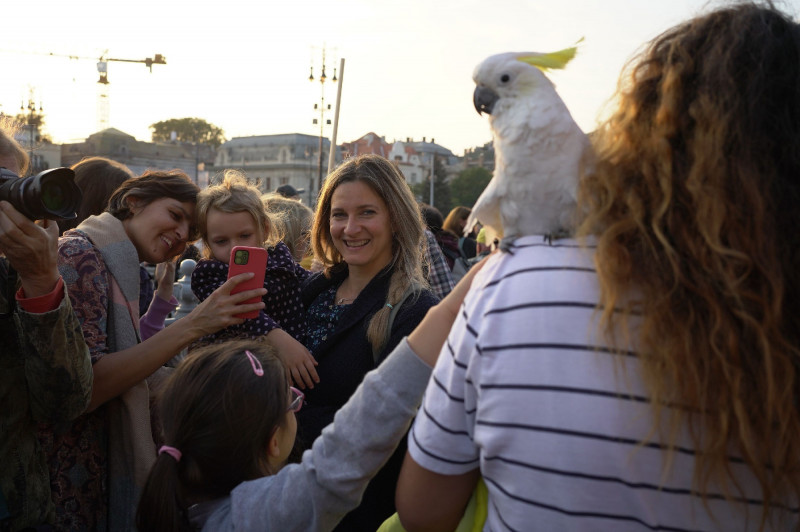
(344, 358)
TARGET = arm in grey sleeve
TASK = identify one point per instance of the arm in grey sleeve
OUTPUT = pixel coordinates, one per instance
(332, 477)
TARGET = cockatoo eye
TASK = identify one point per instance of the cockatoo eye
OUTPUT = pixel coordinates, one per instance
(504, 78)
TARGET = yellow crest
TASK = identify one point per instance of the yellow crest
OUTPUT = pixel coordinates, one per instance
(557, 59)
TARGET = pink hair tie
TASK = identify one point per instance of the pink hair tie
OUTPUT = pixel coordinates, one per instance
(172, 451)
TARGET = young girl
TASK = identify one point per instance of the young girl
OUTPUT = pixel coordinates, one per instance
(231, 214)
(229, 417)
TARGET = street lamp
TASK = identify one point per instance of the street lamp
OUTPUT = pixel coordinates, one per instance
(32, 114)
(321, 108)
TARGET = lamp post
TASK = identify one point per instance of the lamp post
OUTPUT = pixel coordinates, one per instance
(321, 108)
(31, 116)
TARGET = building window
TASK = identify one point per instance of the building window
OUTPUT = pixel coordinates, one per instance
(267, 183)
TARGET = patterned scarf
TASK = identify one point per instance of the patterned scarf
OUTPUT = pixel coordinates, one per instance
(131, 450)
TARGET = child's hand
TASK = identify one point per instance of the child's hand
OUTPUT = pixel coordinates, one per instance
(165, 279)
(295, 357)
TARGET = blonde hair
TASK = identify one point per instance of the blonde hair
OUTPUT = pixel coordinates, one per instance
(408, 243)
(291, 218)
(234, 194)
(694, 200)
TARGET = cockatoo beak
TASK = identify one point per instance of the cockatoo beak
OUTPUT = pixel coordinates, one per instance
(484, 99)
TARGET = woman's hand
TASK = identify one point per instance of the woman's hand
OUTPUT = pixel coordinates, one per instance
(429, 336)
(295, 357)
(165, 279)
(219, 310)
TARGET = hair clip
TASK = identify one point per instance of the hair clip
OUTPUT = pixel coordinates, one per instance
(389, 305)
(255, 363)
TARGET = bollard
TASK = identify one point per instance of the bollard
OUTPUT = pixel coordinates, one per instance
(186, 301)
(183, 291)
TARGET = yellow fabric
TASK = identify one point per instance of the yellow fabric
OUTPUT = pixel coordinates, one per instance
(472, 521)
(481, 238)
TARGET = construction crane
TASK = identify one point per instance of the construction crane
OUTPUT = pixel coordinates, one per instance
(102, 83)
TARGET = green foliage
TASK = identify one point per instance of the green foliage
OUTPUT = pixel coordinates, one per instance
(188, 130)
(441, 188)
(468, 185)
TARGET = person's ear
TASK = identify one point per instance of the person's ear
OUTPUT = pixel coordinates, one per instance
(274, 447)
(133, 204)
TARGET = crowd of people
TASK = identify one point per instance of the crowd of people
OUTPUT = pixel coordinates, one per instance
(640, 373)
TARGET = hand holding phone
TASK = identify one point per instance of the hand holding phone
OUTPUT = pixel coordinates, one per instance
(248, 259)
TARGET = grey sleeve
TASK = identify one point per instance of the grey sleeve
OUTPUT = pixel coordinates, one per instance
(333, 474)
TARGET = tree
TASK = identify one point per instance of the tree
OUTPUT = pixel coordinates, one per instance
(468, 185)
(188, 130)
(37, 121)
(441, 188)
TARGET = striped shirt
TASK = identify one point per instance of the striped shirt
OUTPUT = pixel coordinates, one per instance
(526, 390)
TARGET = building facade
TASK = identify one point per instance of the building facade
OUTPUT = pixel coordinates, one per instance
(140, 156)
(275, 160)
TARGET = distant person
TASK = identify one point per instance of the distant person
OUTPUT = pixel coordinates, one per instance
(455, 223)
(294, 220)
(288, 191)
(647, 376)
(232, 214)
(98, 178)
(437, 271)
(45, 370)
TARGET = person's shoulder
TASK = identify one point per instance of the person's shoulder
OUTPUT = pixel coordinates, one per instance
(75, 247)
(74, 241)
(536, 263)
(209, 263)
(279, 256)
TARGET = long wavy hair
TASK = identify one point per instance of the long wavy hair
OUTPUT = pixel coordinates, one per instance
(407, 225)
(695, 203)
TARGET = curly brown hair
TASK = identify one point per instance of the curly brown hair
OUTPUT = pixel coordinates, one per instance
(694, 201)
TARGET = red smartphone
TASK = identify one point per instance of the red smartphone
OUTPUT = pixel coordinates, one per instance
(248, 259)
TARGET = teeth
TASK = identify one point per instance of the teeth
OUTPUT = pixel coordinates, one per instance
(355, 243)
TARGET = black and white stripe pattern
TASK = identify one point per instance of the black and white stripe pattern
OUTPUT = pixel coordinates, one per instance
(527, 390)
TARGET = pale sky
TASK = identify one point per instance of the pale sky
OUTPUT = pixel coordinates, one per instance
(244, 65)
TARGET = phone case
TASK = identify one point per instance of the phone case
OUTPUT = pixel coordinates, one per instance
(248, 259)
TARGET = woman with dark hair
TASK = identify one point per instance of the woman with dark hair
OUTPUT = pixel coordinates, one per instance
(98, 178)
(368, 234)
(661, 359)
(98, 463)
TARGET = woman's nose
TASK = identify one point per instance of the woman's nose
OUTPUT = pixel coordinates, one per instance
(183, 231)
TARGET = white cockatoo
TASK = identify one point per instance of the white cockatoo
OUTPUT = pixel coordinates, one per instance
(539, 149)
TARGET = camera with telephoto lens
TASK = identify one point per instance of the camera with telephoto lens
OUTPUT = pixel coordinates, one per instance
(50, 194)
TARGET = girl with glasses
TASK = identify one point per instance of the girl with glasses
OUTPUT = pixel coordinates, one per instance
(228, 417)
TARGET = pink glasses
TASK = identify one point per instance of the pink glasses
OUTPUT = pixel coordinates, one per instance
(297, 400)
